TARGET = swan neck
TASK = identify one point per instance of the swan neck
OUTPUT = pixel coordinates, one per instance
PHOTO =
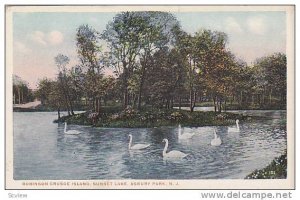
(65, 129)
(130, 141)
(166, 147)
(237, 126)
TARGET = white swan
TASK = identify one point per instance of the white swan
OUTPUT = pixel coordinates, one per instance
(136, 146)
(234, 129)
(217, 140)
(182, 136)
(70, 132)
(172, 154)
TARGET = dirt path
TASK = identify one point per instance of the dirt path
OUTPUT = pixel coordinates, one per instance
(28, 105)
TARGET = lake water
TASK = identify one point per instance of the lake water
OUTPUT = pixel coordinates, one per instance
(43, 151)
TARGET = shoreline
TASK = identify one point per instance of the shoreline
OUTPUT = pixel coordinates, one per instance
(18, 109)
(277, 169)
(158, 118)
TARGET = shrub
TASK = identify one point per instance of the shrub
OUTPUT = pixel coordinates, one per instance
(276, 170)
(176, 116)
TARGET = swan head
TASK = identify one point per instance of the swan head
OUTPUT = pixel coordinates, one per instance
(165, 140)
(130, 136)
(237, 121)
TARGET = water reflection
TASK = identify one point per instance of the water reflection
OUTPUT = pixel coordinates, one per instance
(43, 151)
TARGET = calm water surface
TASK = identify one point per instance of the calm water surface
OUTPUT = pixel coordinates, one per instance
(43, 151)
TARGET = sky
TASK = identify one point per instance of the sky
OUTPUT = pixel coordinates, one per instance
(39, 37)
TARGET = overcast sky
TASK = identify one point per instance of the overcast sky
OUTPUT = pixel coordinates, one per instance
(39, 37)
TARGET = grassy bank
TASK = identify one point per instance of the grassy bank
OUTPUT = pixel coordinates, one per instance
(154, 118)
(276, 170)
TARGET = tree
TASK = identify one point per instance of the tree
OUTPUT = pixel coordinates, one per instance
(133, 37)
(191, 49)
(214, 62)
(89, 53)
(270, 76)
(122, 37)
(61, 62)
(51, 94)
(155, 34)
(21, 92)
(165, 79)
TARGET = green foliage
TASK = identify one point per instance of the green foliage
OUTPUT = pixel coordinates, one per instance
(80, 119)
(276, 170)
(154, 118)
(157, 65)
(21, 92)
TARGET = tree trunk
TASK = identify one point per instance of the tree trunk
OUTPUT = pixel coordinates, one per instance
(125, 98)
(220, 106)
(180, 103)
(99, 105)
(95, 105)
(125, 85)
(140, 99)
(270, 97)
(134, 100)
(71, 107)
(241, 98)
(128, 98)
(22, 96)
(195, 98)
(191, 101)
(104, 101)
(58, 112)
(68, 110)
(19, 95)
(214, 99)
(263, 96)
(282, 99)
(142, 80)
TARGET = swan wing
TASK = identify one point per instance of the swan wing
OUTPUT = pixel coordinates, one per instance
(186, 135)
(190, 135)
(233, 130)
(139, 146)
(72, 132)
(216, 142)
(175, 154)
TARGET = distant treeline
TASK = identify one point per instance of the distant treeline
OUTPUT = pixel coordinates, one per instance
(157, 64)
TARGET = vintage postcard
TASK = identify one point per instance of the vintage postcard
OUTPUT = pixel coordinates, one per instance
(150, 97)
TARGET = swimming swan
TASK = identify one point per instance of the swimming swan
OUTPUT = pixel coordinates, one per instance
(172, 154)
(216, 141)
(137, 146)
(70, 132)
(182, 136)
(234, 129)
